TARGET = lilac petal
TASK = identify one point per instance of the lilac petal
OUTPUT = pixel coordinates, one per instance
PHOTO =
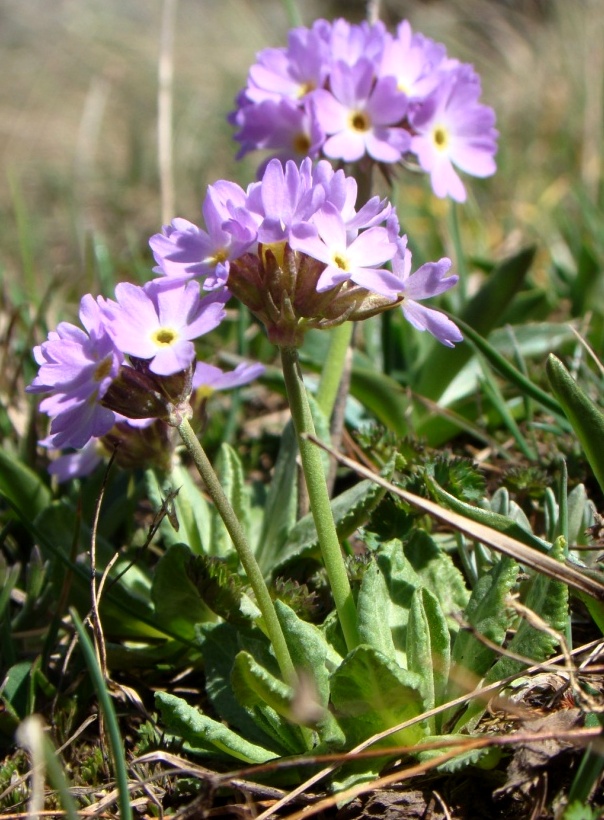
(435, 322)
(210, 378)
(173, 359)
(429, 280)
(77, 465)
(387, 104)
(379, 280)
(75, 427)
(372, 247)
(345, 145)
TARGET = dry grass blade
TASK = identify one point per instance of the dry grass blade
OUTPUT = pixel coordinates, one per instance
(498, 541)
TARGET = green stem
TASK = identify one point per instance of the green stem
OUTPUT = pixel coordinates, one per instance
(318, 495)
(331, 375)
(246, 556)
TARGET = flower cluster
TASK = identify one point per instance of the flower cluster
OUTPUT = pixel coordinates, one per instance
(133, 364)
(294, 249)
(349, 92)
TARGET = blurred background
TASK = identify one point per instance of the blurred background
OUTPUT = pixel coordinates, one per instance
(80, 190)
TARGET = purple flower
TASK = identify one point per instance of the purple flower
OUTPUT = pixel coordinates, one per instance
(453, 128)
(183, 250)
(360, 260)
(350, 92)
(412, 60)
(288, 127)
(159, 322)
(208, 378)
(76, 369)
(429, 280)
(290, 72)
(349, 42)
(78, 464)
(360, 114)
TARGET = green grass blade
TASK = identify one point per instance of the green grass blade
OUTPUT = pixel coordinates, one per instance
(482, 313)
(509, 372)
(586, 419)
(106, 706)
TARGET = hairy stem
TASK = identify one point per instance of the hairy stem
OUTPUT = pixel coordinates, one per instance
(312, 466)
(246, 556)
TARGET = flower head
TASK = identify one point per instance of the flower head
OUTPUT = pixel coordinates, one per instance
(184, 251)
(453, 129)
(76, 369)
(359, 93)
(159, 322)
(360, 114)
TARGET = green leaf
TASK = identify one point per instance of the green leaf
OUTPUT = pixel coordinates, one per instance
(401, 582)
(371, 693)
(308, 648)
(578, 810)
(16, 691)
(230, 472)
(22, 486)
(382, 396)
(268, 700)
(254, 685)
(429, 648)
(508, 371)
(586, 419)
(373, 608)
(437, 573)
(488, 518)
(482, 314)
(486, 614)
(8, 580)
(219, 644)
(191, 509)
(206, 735)
(177, 602)
(350, 510)
(313, 659)
(549, 600)
(125, 611)
(281, 502)
(484, 758)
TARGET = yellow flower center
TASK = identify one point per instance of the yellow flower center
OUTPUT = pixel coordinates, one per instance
(301, 144)
(305, 88)
(359, 121)
(440, 137)
(221, 255)
(103, 369)
(340, 261)
(164, 336)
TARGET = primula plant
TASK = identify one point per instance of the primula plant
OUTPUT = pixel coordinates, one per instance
(314, 621)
